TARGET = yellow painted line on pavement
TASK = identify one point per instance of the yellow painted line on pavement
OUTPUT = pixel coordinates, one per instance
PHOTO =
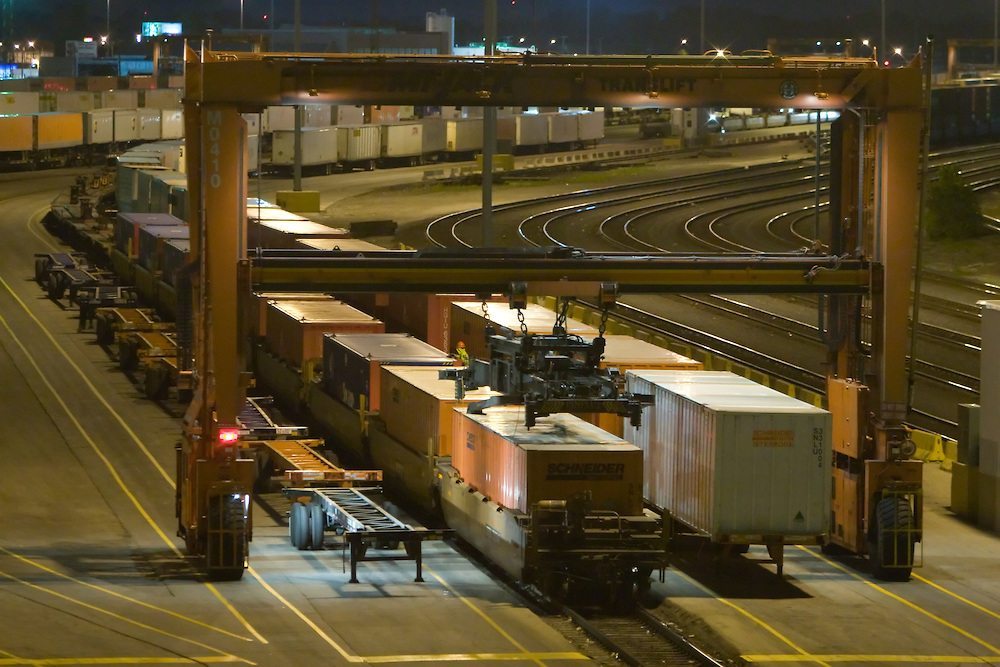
(121, 596)
(474, 657)
(117, 616)
(107, 462)
(124, 660)
(911, 659)
(904, 601)
(804, 655)
(956, 596)
(32, 222)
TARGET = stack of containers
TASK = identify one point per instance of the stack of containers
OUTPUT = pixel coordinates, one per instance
(152, 240)
(351, 364)
(469, 326)
(732, 459)
(412, 390)
(558, 458)
(277, 228)
(295, 328)
(128, 226)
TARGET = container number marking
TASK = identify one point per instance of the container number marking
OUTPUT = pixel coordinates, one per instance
(817, 448)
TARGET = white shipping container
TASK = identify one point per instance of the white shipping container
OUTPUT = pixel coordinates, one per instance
(172, 123)
(733, 459)
(283, 117)
(530, 129)
(118, 99)
(126, 125)
(150, 124)
(777, 119)
(98, 126)
(989, 391)
(347, 114)
(435, 135)
(733, 123)
(402, 140)
(464, 135)
(72, 101)
(754, 122)
(162, 98)
(319, 146)
(562, 127)
(253, 122)
(253, 153)
(18, 103)
(359, 143)
(590, 125)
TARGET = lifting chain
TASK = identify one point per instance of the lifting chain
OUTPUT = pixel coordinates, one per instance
(561, 314)
(520, 319)
(603, 326)
(486, 312)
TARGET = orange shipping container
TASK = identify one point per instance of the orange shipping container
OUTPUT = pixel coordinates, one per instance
(16, 133)
(295, 328)
(408, 391)
(261, 299)
(469, 325)
(558, 458)
(58, 130)
(629, 354)
(428, 316)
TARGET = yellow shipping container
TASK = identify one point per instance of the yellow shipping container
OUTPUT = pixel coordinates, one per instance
(58, 130)
(407, 391)
(16, 133)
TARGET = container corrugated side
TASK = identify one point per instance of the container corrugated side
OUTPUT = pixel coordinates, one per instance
(468, 324)
(72, 101)
(357, 143)
(562, 127)
(162, 98)
(559, 457)
(295, 328)
(261, 299)
(590, 125)
(733, 459)
(435, 135)
(351, 364)
(406, 391)
(150, 124)
(151, 241)
(16, 133)
(530, 130)
(119, 99)
(464, 135)
(99, 126)
(172, 123)
(126, 125)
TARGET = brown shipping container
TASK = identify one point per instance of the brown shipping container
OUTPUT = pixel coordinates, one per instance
(469, 325)
(628, 354)
(559, 457)
(295, 328)
(261, 299)
(428, 316)
(409, 391)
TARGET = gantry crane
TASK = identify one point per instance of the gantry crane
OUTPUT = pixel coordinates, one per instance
(874, 204)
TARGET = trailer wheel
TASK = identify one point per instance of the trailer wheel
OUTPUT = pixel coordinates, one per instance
(227, 552)
(40, 269)
(892, 552)
(298, 526)
(56, 288)
(317, 524)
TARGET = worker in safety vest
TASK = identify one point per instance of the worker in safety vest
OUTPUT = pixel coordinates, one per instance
(461, 355)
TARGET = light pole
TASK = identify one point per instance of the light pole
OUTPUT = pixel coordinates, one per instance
(882, 44)
(107, 21)
(241, 15)
(702, 46)
(588, 32)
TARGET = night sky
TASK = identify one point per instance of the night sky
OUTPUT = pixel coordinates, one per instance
(617, 26)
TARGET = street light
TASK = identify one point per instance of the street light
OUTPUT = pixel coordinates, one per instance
(241, 15)
(107, 20)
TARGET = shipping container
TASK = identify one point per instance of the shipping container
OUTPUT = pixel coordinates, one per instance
(98, 126)
(562, 127)
(464, 135)
(625, 353)
(98, 83)
(276, 228)
(160, 190)
(126, 125)
(347, 114)
(359, 143)
(70, 101)
(19, 103)
(118, 99)
(58, 130)
(175, 81)
(347, 245)
(261, 299)
(162, 98)
(558, 458)
(175, 256)
(152, 239)
(590, 125)
(530, 129)
(351, 364)
(319, 146)
(63, 84)
(469, 326)
(150, 121)
(17, 133)
(295, 328)
(776, 119)
(402, 140)
(141, 82)
(435, 135)
(282, 118)
(172, 123)
(127, 226)
(732, 459)
(407, 391)
(253, 121)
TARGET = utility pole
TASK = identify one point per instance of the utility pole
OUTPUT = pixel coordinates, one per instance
(702, 45)
(489, 128)
(883, 45)
(297, 142)
(588, 28)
